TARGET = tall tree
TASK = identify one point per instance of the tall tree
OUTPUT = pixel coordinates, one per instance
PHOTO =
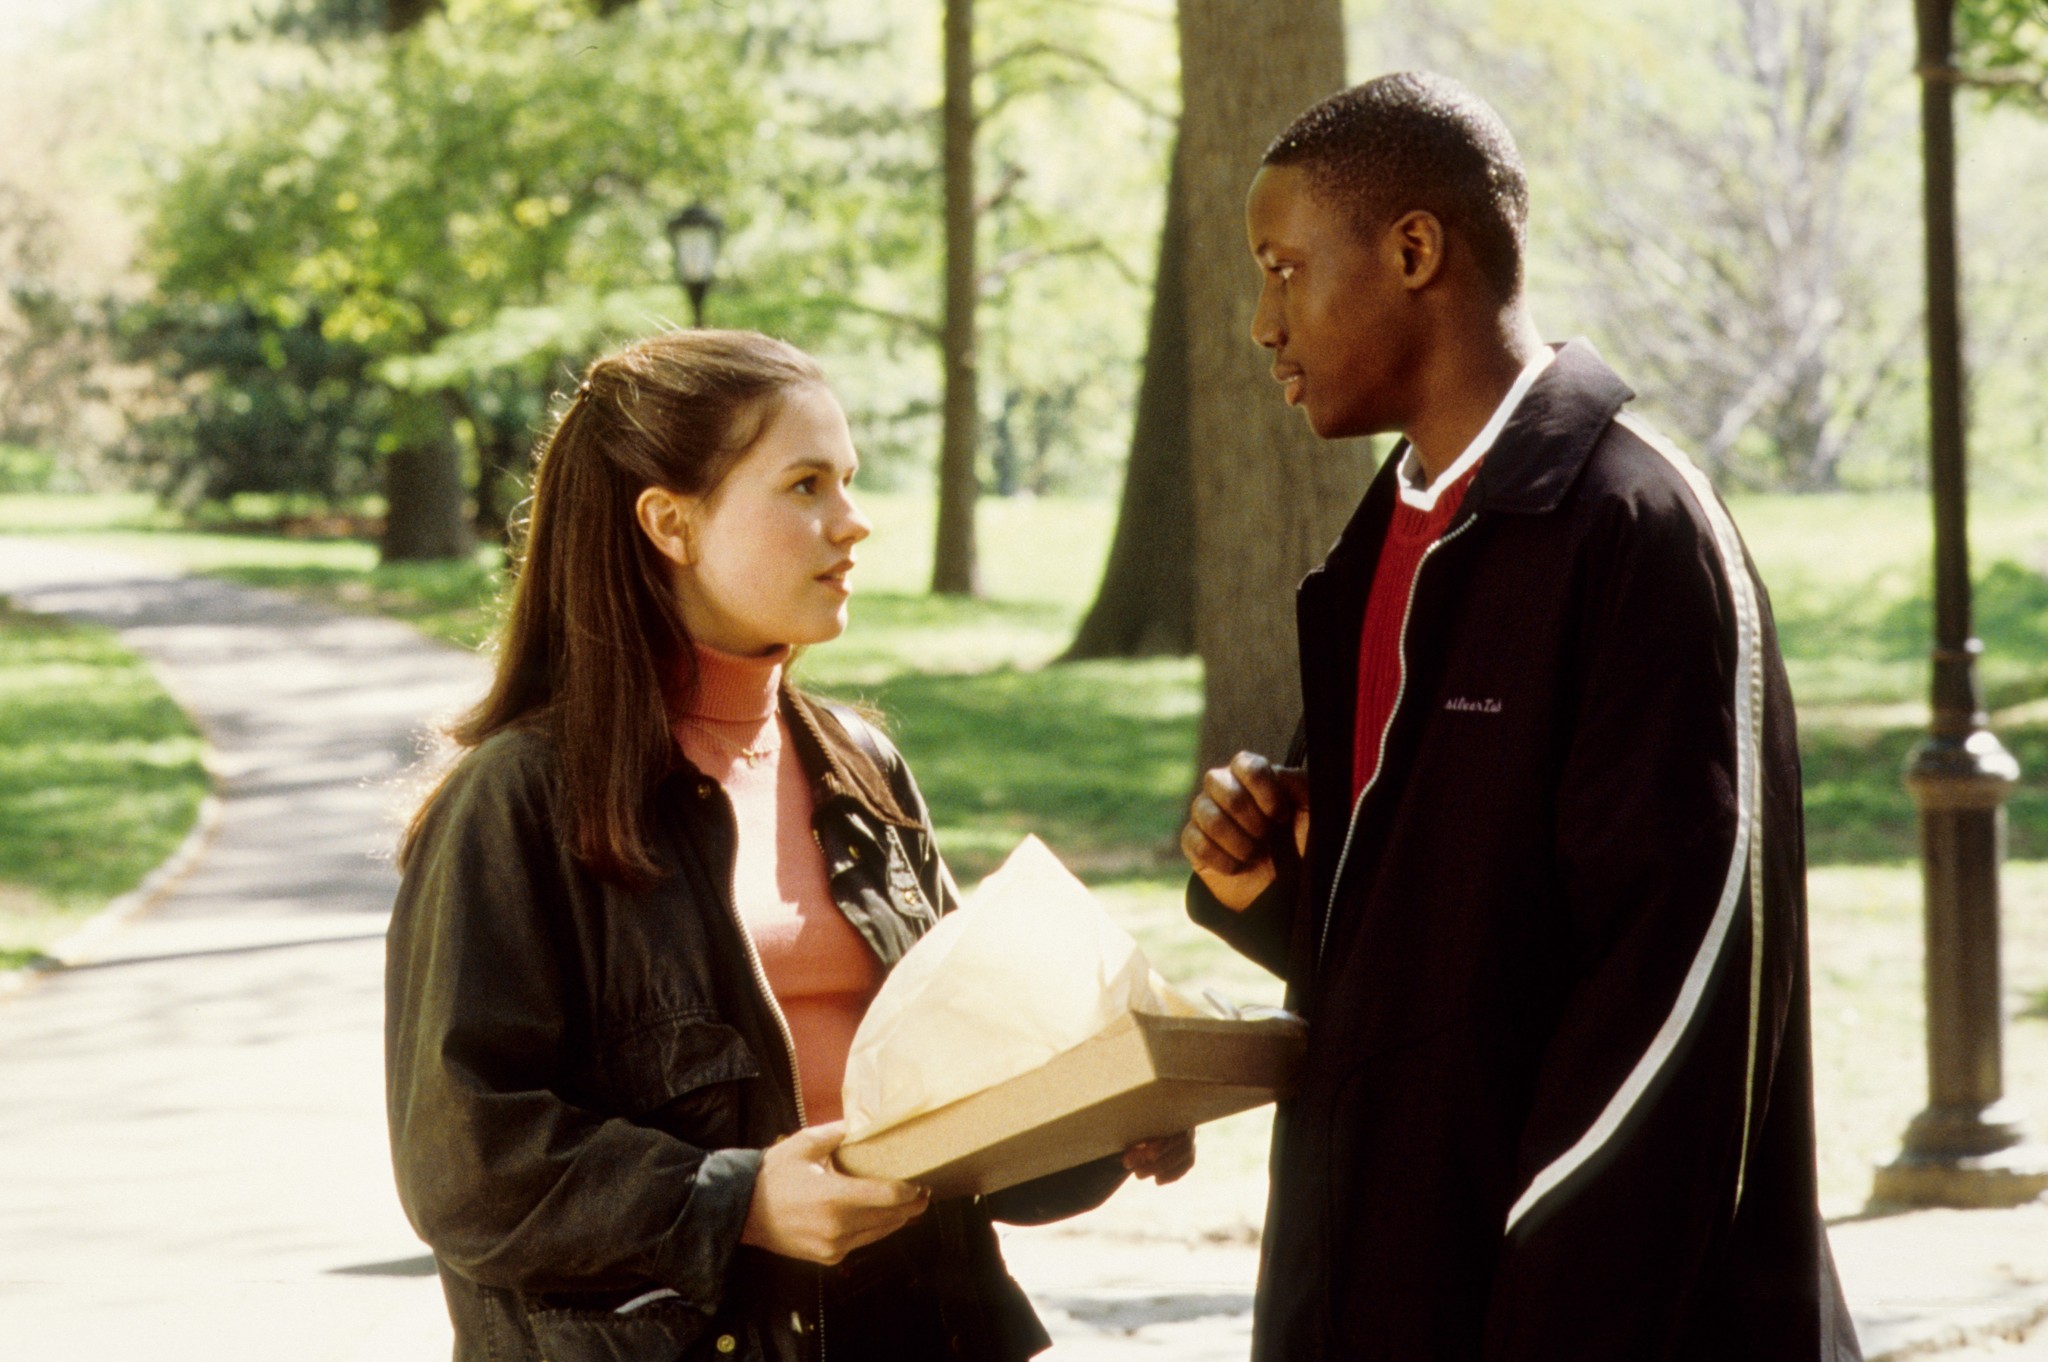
(1146, 604)
(1752, 340)
(955, 570)
(1269, 497)
(445, 199)
(1714, 212)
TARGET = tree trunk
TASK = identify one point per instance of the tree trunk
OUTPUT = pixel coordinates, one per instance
(1269, 497)
(955, 569)
(1146, 605)
(423, 492)
(400, 15)
(498, 455)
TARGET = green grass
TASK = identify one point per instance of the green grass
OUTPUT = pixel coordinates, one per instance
(454, 602)
(1095, 758)
(1869, 1020)
(100, 776)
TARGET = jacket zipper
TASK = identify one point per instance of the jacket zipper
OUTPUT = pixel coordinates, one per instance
(796, 1081)
(1380, 757)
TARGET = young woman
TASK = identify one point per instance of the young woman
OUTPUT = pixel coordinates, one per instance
(643, 915)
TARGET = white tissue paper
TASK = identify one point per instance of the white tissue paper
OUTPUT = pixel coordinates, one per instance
(1030, 966)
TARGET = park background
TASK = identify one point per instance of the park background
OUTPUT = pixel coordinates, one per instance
(265, 262)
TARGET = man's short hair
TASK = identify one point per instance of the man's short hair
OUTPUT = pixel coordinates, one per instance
(1413, 140)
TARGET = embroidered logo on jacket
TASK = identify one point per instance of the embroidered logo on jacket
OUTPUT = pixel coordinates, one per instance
(1458, 704)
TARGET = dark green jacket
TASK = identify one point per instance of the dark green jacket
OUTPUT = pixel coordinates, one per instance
(581, 1078)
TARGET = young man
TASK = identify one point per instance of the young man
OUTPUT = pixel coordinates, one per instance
(1536, 877)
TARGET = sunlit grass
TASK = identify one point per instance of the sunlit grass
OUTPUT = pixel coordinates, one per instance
(457, 602)
(1096, 758)
(1869, 1016)
(100, 775)
(967, 686)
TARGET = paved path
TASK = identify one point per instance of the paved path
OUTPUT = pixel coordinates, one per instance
(194, 1163)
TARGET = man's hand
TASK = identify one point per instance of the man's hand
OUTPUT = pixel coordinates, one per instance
(1233, 820)
(805, 1208)
(1164, 1159)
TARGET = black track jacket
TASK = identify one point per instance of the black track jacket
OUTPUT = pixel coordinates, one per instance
(1557, 1105)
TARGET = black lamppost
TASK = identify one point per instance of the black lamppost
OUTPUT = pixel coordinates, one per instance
(1969, 1147)
(695, 234)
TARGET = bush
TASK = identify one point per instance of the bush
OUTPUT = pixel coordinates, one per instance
(25, 470)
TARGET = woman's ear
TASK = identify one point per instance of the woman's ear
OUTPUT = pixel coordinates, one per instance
(667, 519)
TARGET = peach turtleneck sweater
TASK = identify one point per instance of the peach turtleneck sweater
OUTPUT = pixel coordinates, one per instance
(820, 969)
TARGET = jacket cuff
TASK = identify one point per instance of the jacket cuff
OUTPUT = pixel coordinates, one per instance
(1261, 932)
(1056, 1196)
(698, 1251)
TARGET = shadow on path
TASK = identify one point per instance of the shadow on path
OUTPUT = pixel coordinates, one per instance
(197, 1160)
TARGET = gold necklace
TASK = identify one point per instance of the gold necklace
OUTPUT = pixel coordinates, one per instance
(752, 755)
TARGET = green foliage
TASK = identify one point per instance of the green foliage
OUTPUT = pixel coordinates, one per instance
(2003, 45)
(427, 181)
(25, 470)
(99, 774)
(272, 407)
(1076, 115)
(463, 210)
(476, 207)
(48, 335)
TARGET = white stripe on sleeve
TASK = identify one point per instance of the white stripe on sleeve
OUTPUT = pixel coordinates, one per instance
(1748, 711)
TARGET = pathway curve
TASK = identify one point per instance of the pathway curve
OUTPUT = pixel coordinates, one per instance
(192, 1157)
(193, 1132)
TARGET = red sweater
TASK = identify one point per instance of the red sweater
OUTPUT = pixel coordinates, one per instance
(1409, 535)
(1420, 519)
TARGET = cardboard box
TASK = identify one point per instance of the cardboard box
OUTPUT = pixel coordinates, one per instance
(1140, 1077)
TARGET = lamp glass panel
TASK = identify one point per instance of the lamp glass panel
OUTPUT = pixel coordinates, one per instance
(696, 254)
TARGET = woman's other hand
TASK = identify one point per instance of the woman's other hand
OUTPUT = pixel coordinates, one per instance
(1164, 1159)
(805, 1208)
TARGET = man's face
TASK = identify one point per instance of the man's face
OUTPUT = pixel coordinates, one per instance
(1332, 310)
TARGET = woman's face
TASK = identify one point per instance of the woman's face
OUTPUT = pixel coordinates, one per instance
(769, 550)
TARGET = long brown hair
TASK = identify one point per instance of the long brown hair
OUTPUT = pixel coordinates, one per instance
(594, 638)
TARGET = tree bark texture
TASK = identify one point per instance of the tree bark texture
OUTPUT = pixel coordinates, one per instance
(1269, 497)
(955, 569)
(1146, 604)
(423, 491)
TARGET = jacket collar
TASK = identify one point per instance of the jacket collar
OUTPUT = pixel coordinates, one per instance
(1532, 464)
(841, 764)
(1547, 441)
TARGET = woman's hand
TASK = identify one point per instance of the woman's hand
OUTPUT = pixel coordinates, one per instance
(1164, 1159)
(805, 1208)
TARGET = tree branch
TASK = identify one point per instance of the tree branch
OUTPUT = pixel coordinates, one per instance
(1088, 61)
(1002, 192)
(2004, 80)
(1017, 261)
(924, 327)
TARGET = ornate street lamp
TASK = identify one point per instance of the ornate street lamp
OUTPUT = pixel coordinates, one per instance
(695, 234)
(1969, 1147)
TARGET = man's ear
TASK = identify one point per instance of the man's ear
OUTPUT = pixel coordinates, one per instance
(668, 519)
(1416, 241)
